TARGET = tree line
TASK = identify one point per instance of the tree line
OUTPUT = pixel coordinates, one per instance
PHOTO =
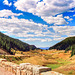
(67, 44)
(7, 43)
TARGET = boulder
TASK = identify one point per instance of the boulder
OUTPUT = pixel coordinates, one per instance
(50, 73)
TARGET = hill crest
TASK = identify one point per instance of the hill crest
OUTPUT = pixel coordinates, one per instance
(7, 43)
(64, 44)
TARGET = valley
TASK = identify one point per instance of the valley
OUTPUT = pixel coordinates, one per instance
(60, 57)
(57, 60)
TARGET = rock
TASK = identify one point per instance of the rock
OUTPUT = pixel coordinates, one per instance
(1, 60)
(23, 72)
(24, 65)
(51, 73)
(14, 68)
(18, 71)
(38, 69)
(27, 69)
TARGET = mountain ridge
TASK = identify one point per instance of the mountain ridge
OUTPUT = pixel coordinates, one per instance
(64, 44)
(7, 43)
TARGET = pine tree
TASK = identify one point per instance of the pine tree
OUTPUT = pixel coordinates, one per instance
(72, 53)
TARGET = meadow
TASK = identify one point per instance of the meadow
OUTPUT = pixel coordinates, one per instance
(57, 60)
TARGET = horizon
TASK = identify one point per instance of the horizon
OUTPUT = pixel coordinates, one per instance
(42, 23)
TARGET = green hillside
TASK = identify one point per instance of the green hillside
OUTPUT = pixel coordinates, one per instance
(7, 43)
(66, 44)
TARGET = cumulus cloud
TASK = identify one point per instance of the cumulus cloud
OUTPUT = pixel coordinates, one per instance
(64, 30)
(68, 18)
(7, 13)
(7, 3)
(37, 39)
(72, 10)
(59, 38)
(45, 8)
(74, 15)
(32, 31)
(20, 27)
(27, 29)
(58, 20)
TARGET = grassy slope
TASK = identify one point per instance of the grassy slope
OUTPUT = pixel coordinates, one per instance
(56, 59)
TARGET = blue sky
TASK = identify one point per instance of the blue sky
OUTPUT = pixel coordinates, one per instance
(39, 22)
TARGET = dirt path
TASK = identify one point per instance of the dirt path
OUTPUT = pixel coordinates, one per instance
(3, 72)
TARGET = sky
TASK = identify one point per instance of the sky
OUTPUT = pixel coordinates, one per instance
(42, 23)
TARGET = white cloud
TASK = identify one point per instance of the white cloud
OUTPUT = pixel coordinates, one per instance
(46, 8)
(7, 3)
(64, 30)
(72, 10)
(20, 27)
(33, 31)
(59, 38)
(58, 20)
(7, 13)
(74, 15)
(24, 28)
(61, 32)
(28, 29)
(37, 39)
(69, 19)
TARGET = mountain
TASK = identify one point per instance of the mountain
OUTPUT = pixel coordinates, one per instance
(65, 44)
(7, 43)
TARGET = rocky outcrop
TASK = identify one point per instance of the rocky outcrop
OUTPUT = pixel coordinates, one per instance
(51, 73)
(25, 68)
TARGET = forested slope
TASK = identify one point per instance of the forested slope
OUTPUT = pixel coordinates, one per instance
(7, 43)
(70, 41)
(66, 44)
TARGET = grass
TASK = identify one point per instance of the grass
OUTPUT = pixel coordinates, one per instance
(70, 72)
(63, 62)
(67, 72)
(54, 66)
(51, 58)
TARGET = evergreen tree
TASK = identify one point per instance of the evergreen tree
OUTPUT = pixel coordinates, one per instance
(7, 43)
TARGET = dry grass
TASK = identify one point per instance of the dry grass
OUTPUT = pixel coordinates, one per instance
(67, 69)
(56, 59)
(44, 57)
(37, 60)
